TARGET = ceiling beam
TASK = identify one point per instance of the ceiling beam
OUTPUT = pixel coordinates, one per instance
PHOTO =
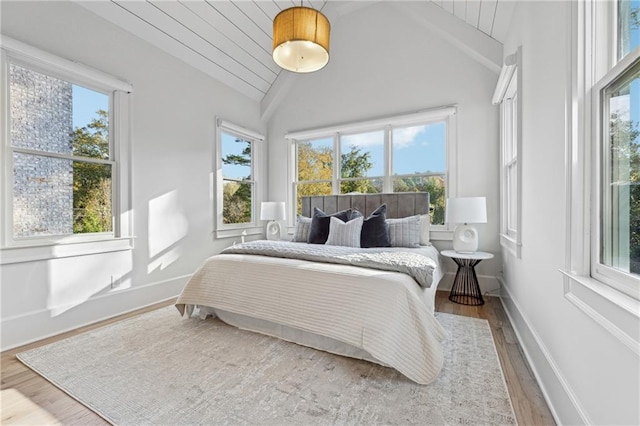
(479, 46)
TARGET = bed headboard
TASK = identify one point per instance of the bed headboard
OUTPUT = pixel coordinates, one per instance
(399, 204)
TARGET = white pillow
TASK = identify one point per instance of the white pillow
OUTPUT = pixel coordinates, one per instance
(345, 233)
(425, 228)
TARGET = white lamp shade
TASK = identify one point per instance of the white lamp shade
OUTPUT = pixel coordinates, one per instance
(273, 210)
(466, 210)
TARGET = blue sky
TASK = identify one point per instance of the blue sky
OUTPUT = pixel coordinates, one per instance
(230, 146)
(416, 149)
(85, 104)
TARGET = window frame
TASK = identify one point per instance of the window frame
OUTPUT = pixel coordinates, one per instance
(508, 94)
(24, 249)
(591, 57)
(225, 230)
(621, 281)
(447, 114)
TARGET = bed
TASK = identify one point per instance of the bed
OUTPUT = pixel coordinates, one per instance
(355, 304)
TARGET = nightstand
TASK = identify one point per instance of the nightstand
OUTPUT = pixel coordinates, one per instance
(466, 289)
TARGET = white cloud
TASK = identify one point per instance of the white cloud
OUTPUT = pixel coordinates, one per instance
(405, 137)
(364, 139)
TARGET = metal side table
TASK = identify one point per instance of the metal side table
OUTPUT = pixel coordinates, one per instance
(466, 289)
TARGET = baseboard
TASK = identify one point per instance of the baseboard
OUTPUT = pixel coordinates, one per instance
(32, 326)
(559, 396)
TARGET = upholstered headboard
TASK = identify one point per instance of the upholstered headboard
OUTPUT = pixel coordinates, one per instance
(399, 204)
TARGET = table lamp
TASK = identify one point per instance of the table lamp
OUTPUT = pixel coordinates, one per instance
(273, 211)
(463, 211)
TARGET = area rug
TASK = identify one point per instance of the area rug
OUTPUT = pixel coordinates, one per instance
(160, 369)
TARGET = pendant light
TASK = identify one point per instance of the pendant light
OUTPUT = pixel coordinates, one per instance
(301, 39)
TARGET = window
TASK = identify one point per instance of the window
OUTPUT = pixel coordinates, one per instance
(66, 140)
(601, 122)
(506, 94)
(616, 244)
(410, 153)
(237, 191)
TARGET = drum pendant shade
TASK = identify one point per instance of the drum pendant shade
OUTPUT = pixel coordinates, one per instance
(301, 39)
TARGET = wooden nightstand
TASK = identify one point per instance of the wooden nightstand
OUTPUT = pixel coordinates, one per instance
(466, 289)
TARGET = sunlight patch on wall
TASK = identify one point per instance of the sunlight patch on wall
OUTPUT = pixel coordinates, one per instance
(74, 280)
(168, 224)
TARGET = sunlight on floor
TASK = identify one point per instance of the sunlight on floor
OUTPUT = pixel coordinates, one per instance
(19, 409)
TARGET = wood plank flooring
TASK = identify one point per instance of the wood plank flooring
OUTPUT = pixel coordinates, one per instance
(28, 399)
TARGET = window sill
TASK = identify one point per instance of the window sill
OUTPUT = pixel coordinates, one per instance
(615, 311)
(238, 232)
(440, 235)
(511, 245)
(19, 254)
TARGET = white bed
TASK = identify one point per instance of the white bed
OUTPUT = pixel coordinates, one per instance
(377, 315)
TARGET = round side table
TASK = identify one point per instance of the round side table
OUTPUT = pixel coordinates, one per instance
(466, 289)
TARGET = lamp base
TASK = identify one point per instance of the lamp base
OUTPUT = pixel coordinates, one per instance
(273, 230)
(465, 239)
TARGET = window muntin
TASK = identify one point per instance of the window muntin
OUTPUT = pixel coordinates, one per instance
(237, 176)
(62, 158)
(401, 154)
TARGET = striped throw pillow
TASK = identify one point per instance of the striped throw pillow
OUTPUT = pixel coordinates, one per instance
(345, 233)
(404, 232)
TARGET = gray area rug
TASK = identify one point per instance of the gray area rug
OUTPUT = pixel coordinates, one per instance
(158, 368)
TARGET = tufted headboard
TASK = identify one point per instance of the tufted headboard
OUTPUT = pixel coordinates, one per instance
(399, 204)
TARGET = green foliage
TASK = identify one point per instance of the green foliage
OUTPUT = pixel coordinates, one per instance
(625, 149)
(236, 202)
(236, 196)
(355, 164)
(434, 185)
(92, 182)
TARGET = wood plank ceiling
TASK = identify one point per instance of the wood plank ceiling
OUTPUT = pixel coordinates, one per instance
(231, 40)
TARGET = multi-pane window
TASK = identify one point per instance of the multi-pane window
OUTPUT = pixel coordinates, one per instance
(62, 163)
(620, 238)
(506, 95)
(509, 146)
(393, 155)
(237, 165)
(62, 150)
(616, 244)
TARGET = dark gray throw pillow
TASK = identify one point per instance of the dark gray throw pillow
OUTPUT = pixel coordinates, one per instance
(375, 231)
(320, 222)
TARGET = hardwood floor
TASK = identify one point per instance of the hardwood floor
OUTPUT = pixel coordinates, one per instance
(28, 399)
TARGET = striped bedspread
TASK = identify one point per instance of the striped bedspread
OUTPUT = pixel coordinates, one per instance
(378, 311)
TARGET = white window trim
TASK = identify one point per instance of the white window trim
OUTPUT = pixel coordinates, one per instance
(446, 113)
(607, 306)
(511, 240)
(610, 276)
(50, 247)
(223, 230)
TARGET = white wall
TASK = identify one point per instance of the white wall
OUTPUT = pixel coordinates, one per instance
(173, 135)
(383, 64)
(588, 375)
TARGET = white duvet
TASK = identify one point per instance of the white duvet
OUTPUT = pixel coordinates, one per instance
(384, 313)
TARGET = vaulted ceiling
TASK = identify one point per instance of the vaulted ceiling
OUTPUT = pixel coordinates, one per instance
(231, 40)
